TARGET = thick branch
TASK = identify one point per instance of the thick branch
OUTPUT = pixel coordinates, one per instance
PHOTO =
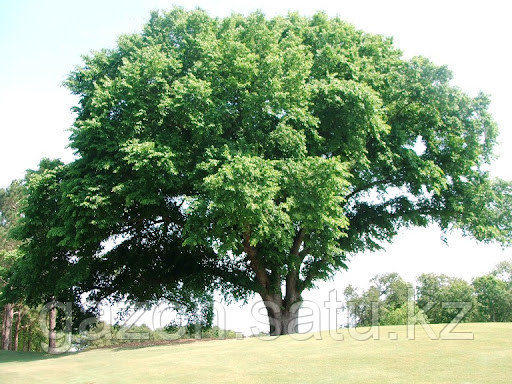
(365, 187)
(310, 275)
(256, 264)
(237, 275)
(302, 254)
(297, 242)
(292, 292)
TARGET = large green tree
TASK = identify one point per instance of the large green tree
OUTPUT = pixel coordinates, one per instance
(254, 155)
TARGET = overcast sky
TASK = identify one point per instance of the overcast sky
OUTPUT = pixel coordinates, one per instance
(41, 42)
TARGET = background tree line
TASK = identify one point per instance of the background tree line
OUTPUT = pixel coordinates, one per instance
(489, 298)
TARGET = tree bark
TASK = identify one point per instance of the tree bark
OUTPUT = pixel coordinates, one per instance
(6, 331)
(282, 312)
(282, 320)
(4, 318)
(52, 334)
(29, 338)
(24, 335)
(17, 329)
(6, 337)
(256, 264)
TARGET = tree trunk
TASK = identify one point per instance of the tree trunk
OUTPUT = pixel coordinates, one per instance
(4, 319)
(6, 331)
(29, 338)
(282, 320)
(17, 329)
(282, 312)
(52, 335)
(24, 338)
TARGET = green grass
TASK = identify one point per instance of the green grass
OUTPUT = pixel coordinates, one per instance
(485, 359)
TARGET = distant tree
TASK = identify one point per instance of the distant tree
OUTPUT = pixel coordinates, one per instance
(503, 271)
(362, 309)
(385, 302)
(10, 200)
(394, 290)
(439, 293)
(252, 155)
(494, 299)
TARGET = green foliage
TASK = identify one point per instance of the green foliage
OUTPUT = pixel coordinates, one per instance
(10, 201)
(439, 299)
(503, 271)
(385, 302)
(42, 272)
(402, 315)
(434, 290)
(268, 198)
(494, 300)
(394, 291)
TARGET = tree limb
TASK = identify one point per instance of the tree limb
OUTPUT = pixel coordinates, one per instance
(366, 186)
(256, 264)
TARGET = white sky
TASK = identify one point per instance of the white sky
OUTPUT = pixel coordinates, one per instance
(40, 42)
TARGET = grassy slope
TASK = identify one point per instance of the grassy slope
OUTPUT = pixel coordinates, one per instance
(486, 359)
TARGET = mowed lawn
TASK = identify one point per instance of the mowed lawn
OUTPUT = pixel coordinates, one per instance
(485, 359)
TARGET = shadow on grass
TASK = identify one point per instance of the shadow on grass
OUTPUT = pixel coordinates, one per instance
(11, 356)
(153, 343)
(22, 357)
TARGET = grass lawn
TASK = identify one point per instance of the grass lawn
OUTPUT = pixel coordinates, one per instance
(485, 359)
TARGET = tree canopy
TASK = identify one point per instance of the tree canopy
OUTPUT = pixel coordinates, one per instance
(254, 155)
